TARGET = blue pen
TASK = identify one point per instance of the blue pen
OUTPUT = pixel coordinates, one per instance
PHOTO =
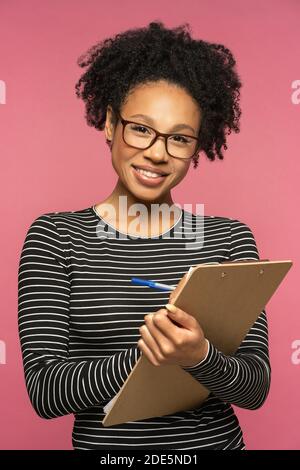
(155, 285)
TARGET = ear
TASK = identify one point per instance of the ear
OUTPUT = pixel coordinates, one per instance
(109, 124)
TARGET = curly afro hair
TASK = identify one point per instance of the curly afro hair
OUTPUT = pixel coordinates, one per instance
(205, 70)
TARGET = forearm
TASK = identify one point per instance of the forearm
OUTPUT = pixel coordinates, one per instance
(60, 387)
(242, 380)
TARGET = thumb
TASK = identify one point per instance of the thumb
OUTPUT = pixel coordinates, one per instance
(179, 316)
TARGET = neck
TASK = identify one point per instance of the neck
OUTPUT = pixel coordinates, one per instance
(120, 193)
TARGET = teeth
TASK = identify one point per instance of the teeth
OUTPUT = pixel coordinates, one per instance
(148, 173)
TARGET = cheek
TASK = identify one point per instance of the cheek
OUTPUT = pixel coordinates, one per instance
(180, 171)
(120, 158)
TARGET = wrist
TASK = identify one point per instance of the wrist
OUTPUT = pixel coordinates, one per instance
(202, 354)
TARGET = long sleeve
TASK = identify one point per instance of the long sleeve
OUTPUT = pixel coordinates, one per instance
(244, 378)
(57, 385)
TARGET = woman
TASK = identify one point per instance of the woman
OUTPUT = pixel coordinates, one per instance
(161, 98)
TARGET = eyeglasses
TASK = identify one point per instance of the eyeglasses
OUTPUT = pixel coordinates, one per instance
(140, 136)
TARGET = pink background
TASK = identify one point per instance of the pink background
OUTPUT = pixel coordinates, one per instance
(52, 161)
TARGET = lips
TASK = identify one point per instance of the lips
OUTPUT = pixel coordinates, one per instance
(147, 180)
(151, 169)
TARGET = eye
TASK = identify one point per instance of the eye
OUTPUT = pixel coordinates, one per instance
(181, 138)
(140, 129)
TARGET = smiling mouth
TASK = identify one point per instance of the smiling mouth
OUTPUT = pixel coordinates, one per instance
(148, 173)
(148, 178)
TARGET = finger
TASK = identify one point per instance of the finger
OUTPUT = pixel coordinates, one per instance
(162, 330)
(151, 342)
(148, 353)
(180, 316)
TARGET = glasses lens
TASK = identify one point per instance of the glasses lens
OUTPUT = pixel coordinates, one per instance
(140, 136)
(137, 135)
(181, 146)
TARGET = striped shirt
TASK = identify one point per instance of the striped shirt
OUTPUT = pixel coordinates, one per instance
(79, 319)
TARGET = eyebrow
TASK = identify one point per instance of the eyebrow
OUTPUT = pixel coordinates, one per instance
(178, 127)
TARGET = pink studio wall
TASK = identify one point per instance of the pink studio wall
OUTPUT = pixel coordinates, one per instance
(52, 161)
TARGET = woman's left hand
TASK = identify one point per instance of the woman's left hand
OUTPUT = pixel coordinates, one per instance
(165, 343)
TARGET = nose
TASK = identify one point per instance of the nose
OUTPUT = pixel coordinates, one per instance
(157, 151)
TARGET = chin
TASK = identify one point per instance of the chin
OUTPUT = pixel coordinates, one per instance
(147, 195)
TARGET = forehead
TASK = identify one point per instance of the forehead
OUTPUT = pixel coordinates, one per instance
(164, 102)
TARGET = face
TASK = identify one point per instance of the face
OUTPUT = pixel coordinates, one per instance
(166, 105)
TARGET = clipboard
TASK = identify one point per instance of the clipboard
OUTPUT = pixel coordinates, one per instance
(226, 298)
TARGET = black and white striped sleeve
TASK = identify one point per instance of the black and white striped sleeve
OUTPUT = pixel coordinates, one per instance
(57, 385)
(244, 378)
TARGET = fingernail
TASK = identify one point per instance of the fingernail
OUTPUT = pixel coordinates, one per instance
(171, 307)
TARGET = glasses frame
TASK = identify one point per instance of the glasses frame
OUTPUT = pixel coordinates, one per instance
(157, 134)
